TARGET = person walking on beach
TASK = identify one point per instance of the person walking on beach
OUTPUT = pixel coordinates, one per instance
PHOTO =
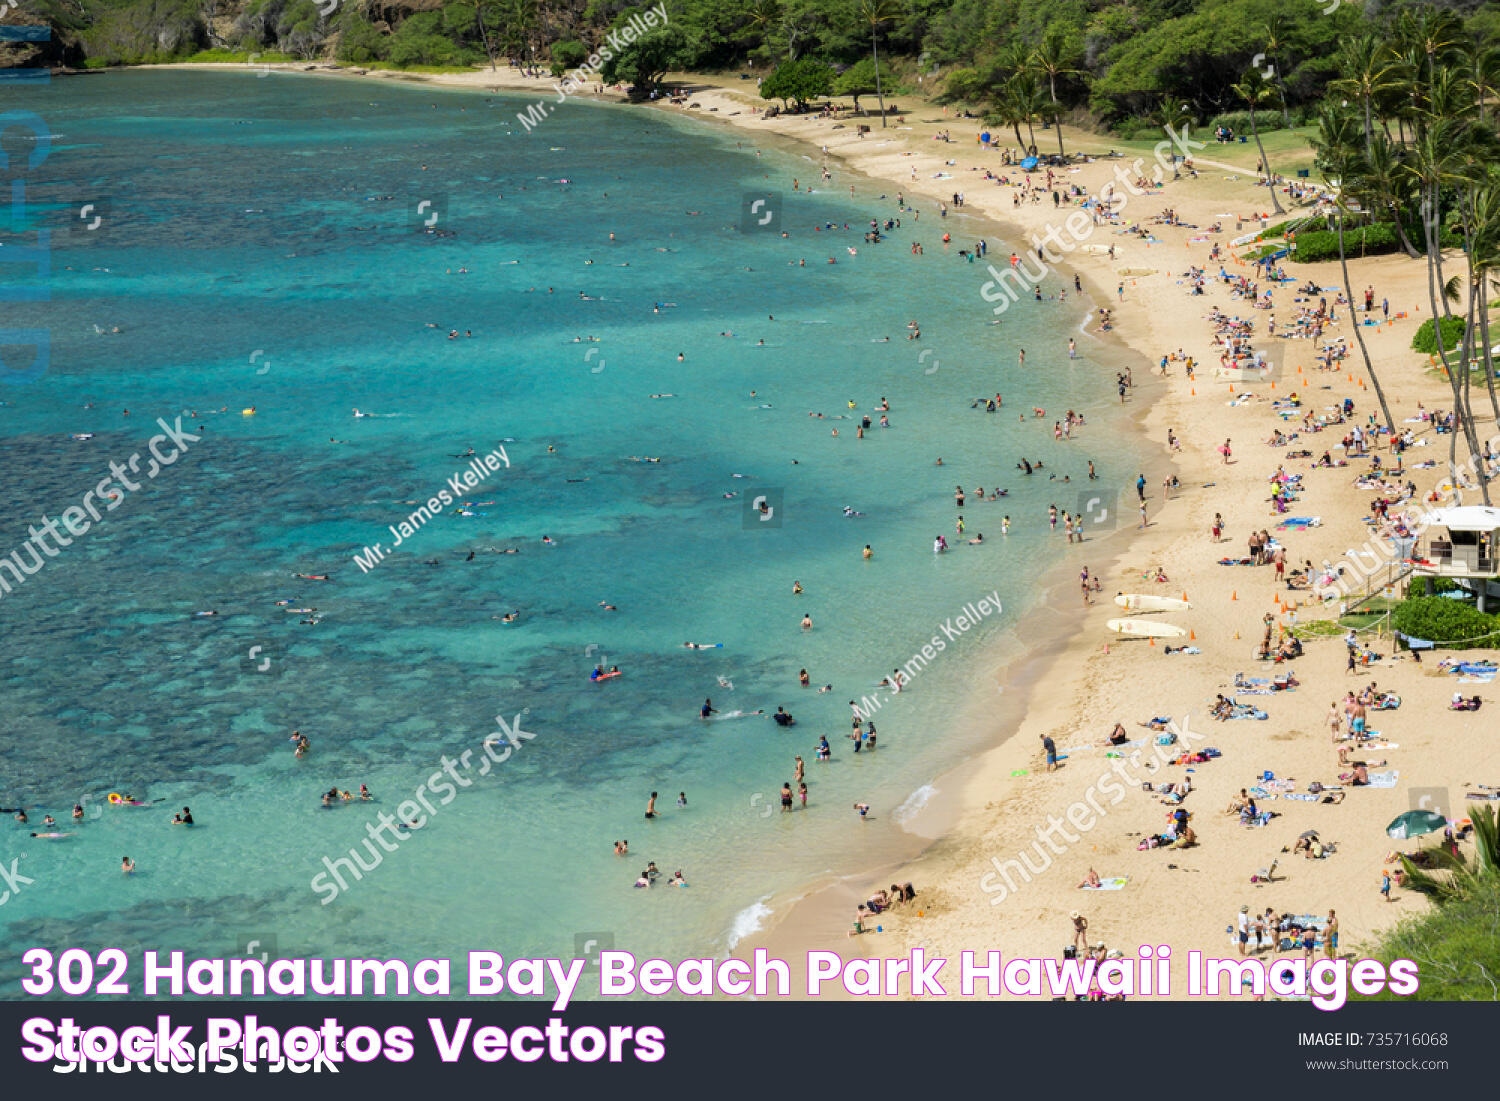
(1385, 885)
(1244, 928)
(1080, 930)
(1225, 451)
(1144, 521)
(1051, 750)
(1331, 935)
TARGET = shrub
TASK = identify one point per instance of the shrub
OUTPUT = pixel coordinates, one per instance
(1451, 622)
(1266, 120)
(1323, 244)
(1453, 331)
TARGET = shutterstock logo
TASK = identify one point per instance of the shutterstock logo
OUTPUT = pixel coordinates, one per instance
(1099, 509)
(587, 946)
(425, 212)
(1435, 800)
(764, 509)
(760, 212)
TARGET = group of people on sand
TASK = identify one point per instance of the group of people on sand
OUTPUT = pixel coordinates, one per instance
(881, 902)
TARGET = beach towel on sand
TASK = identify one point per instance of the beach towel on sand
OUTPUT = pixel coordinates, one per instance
(1110, 883)
(1384, 779)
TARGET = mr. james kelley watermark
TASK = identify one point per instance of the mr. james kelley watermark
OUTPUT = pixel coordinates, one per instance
(460, 482)
(577, 80)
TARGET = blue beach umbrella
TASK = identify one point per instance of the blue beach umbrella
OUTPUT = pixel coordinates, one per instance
(1028, 164)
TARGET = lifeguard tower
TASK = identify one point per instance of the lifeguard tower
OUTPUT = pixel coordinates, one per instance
(1469, 551)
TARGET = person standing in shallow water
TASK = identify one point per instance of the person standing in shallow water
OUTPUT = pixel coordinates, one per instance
(651, 806)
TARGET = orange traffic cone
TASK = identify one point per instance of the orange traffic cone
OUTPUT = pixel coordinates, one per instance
(1184, 596)
(1152, 641)
(1194, 391)
(1192, 636)
(1231, 387)
(1234, 595)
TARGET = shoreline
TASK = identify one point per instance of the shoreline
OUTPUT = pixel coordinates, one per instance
(1086, 685)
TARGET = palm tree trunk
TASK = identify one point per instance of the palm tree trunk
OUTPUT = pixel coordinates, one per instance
(1369, 129)
(1359, 337)
(875, 47)
(1486, 357)
(1411, 249)
(1476, 291)
(1270, 182)
(1030, 129)
(1459, 412)
(489, 49)
(1056, 117)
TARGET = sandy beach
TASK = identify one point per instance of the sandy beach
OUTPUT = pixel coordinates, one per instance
(974, 890)
(1006, 802)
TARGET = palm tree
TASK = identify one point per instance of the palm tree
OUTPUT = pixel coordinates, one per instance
(873, 13)
(1462, 873)
(1006, 112)
(1432, 33)
(1371, 71)
(1483, 65)
(1275, 40)
(1337, 158)
(1171, 115)
(1054, 58)
(1439, 161)
(1026, 96)
(1482, 229)
(1255, 90)
(1383, 181)
(1013, 59)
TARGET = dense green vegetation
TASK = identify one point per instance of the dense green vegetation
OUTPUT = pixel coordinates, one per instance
(1455, 945)
(1130, 64)
(1423, 341)
(1453, 623)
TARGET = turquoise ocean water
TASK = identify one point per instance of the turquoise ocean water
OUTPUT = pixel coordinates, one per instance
(262, 244)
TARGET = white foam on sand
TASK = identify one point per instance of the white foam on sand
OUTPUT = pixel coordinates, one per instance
(748, 921)
(907, 811)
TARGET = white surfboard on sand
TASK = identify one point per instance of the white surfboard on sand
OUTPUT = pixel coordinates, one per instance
(1144, 628)
(1145, 602)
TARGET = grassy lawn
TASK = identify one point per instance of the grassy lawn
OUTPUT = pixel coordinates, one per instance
(1287, 150)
